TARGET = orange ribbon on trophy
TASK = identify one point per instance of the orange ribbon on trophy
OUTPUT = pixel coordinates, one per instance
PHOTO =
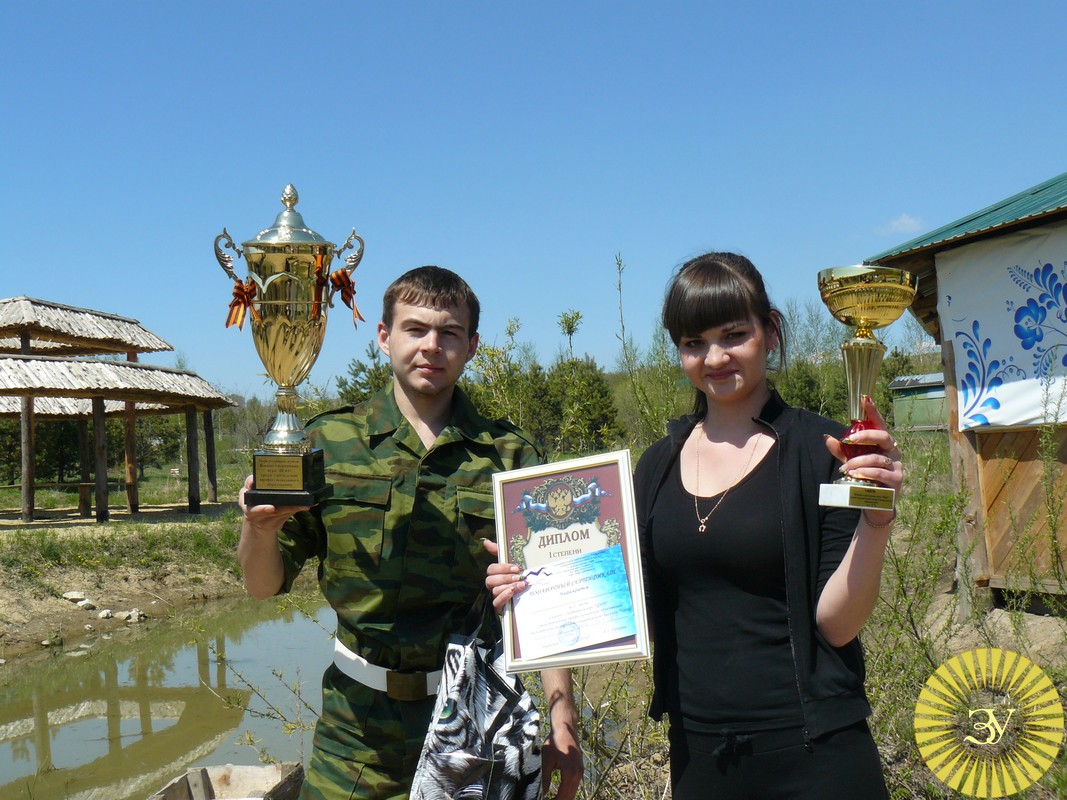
(342, 282)
(320, 284)
(243, 295)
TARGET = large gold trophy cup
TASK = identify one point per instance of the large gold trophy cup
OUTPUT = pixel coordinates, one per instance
(865, 298)
(287, 294)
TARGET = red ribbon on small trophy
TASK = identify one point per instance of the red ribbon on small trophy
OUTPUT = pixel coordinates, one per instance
(342, 282)
(243, 295)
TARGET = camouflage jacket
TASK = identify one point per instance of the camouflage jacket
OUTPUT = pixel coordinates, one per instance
(399, 542)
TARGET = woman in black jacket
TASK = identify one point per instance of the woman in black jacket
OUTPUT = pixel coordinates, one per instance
(757, 593)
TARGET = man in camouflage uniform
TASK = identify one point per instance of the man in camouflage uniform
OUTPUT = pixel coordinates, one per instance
(400, 547)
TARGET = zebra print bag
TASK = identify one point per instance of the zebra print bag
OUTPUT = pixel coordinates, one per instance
(484, 736)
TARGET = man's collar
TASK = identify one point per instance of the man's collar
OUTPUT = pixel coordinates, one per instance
(464, 421)
(383, 414)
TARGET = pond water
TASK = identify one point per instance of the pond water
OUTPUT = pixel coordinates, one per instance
(229, 683)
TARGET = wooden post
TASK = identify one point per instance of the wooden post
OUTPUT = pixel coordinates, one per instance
(209, 456)
(27, 423)
(132, 503)
(28, 472)
(192, 450)
(100, 437)
(86, 471)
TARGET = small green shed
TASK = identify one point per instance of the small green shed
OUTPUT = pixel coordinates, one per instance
(919, 402)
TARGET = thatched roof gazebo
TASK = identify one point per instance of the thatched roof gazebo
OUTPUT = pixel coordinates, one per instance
(54, 329)
(43, 349)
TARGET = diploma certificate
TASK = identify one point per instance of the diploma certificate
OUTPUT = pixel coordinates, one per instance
(575, 602)
(571, 529)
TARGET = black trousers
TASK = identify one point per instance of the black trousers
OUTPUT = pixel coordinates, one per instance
(776, 765)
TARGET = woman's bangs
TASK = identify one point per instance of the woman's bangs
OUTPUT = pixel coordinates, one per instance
(712, 305)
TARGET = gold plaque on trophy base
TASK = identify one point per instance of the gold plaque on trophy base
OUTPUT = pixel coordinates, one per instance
(857, 495)
(289, 479)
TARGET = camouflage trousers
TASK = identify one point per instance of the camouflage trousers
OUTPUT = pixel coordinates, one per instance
(366, 745)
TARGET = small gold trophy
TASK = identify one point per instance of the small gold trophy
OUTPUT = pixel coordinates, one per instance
(287, 294)
(865, 298)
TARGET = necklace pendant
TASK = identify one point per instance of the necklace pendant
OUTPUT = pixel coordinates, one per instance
(702, 527)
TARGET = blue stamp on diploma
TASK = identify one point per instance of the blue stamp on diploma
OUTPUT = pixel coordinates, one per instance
(569, 633)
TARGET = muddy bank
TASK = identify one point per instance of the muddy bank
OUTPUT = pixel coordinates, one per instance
(33, 621)
(34, 617)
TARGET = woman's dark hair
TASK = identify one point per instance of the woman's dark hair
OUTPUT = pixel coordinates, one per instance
(712, 290)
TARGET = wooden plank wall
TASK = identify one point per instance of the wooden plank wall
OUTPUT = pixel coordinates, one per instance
(1014, 499)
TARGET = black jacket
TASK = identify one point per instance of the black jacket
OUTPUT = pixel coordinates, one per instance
(829, 679)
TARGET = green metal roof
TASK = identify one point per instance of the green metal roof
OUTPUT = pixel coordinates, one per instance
(1037, 201)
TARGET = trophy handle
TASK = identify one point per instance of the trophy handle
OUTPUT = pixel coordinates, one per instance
(225, 259)
(353, 259)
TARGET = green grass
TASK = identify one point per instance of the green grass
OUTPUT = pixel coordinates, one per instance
(35, 556)
(158, 487)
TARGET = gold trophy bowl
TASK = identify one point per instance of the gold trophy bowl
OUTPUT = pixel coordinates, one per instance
(287, 294)
(864, 298)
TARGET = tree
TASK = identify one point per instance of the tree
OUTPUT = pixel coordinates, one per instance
(813, 335)
(657, 389)
(814, 375)
(160, 439)
(914, 340)
(56, 447)
(894, 365)
(240, 428)
(506, 382)
(569, 322)
(314, 400)
(570, 408)
(10, 451)
(580, 410)
(364, 377)
(818, 387)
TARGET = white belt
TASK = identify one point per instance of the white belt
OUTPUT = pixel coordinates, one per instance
(398, 685)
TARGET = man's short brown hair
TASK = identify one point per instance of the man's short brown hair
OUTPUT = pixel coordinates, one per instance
(431, 286)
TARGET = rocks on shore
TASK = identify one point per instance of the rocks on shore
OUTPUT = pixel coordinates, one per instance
(81, 599)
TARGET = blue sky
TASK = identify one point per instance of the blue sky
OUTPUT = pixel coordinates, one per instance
(521, 144)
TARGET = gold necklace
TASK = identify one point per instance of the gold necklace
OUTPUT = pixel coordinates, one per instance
(703, 521)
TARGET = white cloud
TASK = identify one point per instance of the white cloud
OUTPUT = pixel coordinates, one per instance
(905, 223)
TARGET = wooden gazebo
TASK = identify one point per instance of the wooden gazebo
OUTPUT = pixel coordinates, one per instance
(59, 362)
(995, 268)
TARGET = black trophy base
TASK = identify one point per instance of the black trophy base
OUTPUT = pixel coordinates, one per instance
(290, 479)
